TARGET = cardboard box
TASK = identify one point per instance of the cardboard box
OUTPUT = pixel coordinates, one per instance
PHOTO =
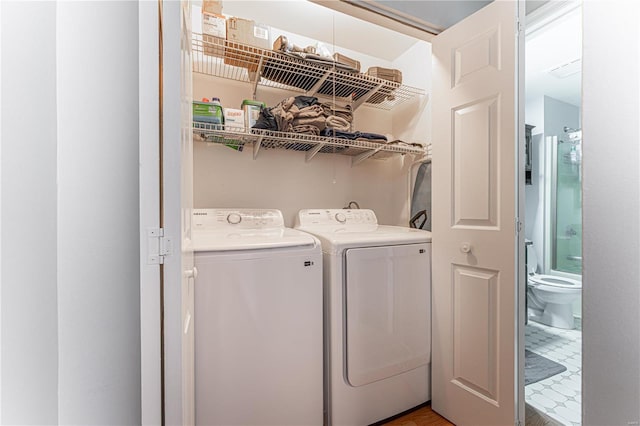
(251, 112)
(338, 57)
(212, 6)
(234, 119)
(386, 74)
(248, 32)
(213, 46)
(214, 34)
(214, 25)
(246, 42)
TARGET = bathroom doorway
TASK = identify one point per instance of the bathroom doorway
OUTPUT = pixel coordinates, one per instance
(553, 213)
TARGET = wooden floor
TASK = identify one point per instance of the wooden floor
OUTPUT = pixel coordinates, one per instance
(423, 416)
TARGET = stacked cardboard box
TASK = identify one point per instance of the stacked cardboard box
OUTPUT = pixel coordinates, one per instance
(242, 36)
(386, 74)
(212, 6)
(338, 57)
(214, 33)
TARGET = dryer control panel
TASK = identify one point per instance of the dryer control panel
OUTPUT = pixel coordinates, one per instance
(217, 219)
(335, 217)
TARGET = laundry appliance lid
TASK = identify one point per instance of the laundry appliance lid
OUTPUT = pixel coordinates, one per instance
(244, 229)
(340, 228)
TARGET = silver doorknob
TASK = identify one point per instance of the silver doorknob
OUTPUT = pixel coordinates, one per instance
(465, 247)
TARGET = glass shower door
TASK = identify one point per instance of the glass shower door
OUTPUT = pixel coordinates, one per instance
(566, 208)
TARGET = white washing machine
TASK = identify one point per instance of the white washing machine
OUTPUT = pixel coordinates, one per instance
(377, 282)
(258, 320)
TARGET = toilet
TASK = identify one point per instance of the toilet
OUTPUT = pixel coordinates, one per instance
(550, 297)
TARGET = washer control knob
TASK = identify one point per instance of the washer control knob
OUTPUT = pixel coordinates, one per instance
(340, 217)
(466, 248)
(234, 218)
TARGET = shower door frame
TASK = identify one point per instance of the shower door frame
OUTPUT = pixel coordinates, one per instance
(551, 194)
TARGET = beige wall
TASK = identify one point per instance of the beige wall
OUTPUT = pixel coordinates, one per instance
(281, 179)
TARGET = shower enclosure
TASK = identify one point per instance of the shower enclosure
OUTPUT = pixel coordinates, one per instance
(565, 203)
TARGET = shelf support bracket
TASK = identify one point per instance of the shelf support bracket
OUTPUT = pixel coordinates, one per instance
(319, 84)
(256, 146)
(254, 76)
(360, 158)
(365, 98)
(313, 151)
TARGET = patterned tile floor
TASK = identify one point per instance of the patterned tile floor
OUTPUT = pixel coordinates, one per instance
(558, 396)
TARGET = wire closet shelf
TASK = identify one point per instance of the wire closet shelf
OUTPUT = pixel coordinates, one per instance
(321, 78)
(258, 139)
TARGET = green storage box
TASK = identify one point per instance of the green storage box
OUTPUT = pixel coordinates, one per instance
(207, 112)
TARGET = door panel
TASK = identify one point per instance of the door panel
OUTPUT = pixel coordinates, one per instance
(477, 54)
(475, 182)
(474, 235)
(186, 207)
(474, 347)
(177, 203)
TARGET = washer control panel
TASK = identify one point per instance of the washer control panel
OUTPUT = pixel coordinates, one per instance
(346, 217)
(216, 219)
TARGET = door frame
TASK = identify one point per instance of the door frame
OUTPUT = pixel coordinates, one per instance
(166, 371)
(520, 249)
(149, 74)
(151, 388)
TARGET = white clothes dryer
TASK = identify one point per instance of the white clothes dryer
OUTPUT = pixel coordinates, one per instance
(258, 320)
(377, 282)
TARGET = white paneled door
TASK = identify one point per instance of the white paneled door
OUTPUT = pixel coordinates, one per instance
(166, 202)
(474, 229)
(189, 272)
(177, 189)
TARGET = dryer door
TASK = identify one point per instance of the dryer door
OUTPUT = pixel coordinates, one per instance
(387, 311)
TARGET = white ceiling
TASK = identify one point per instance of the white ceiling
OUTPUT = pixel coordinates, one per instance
(556, 41)
(550, 46)
(441, 13)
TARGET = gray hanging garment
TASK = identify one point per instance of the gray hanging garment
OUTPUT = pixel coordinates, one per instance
(421, 199)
